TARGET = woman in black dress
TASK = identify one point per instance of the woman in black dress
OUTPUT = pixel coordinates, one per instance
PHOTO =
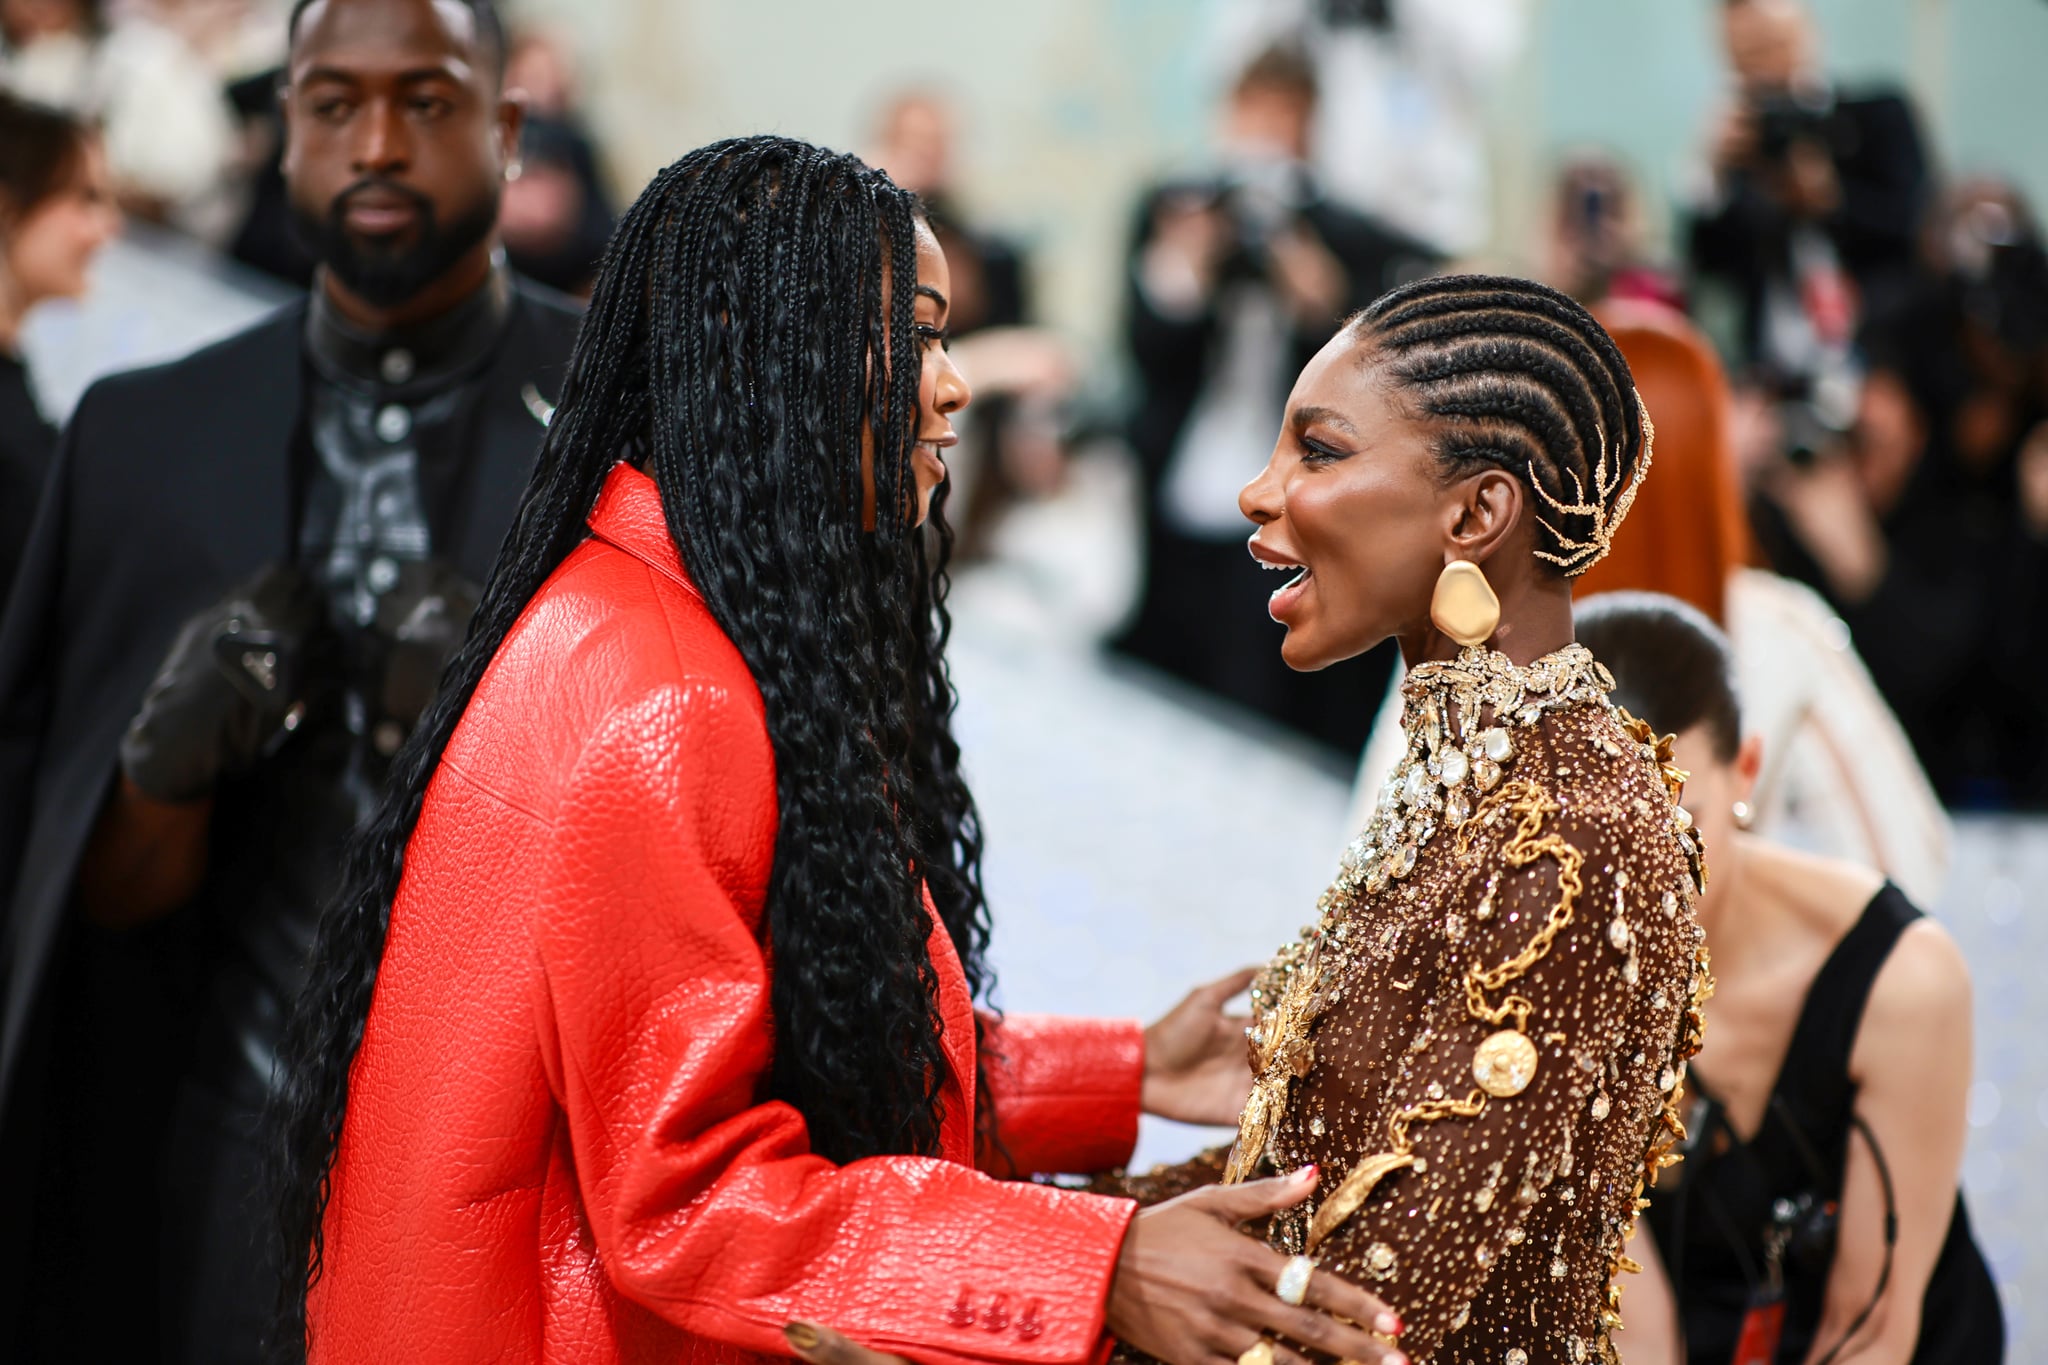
(1816, 1216)
(56, 211)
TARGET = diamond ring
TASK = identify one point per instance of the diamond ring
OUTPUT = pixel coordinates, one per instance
(1293, 1285)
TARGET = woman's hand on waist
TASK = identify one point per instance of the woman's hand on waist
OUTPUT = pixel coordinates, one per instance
(1193, 1290)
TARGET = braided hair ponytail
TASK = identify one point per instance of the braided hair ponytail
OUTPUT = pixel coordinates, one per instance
(1520, 376)
(752, 319)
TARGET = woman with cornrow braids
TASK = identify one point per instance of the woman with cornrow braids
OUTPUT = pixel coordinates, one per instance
(645, 1029)
(1482, 1040)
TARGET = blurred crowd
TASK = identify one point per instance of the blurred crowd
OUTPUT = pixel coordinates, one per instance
(1874, 392)
(1844, 349)
(1881, 331)
(182, 95)
(1875, 386)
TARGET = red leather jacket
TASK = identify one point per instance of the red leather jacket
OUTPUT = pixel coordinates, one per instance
(556, 1146)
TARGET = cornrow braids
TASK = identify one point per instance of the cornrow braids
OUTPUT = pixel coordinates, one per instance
(1520, 376)
(751, 320)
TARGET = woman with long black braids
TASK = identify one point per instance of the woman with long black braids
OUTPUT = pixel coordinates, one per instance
(644, 1029)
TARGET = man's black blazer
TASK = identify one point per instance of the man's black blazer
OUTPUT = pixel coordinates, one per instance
(170, 485)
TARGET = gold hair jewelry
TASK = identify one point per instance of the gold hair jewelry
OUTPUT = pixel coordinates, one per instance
(1581, 555)
(1464, 606)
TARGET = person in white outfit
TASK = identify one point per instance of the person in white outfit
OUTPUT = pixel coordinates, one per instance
(168, 130)
(1401, 133)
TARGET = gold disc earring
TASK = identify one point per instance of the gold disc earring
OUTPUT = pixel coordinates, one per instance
(1464, 606)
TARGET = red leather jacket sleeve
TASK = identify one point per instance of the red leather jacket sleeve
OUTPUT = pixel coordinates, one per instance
(1065, 1093)
(707, 1205)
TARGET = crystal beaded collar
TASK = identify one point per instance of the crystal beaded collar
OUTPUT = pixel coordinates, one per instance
(1460, 718)
(1466, 720)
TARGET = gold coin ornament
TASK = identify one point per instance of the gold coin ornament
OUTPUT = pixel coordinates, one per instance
(1504, 1064)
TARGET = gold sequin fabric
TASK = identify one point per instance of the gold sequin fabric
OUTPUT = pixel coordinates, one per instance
(1481, 1043)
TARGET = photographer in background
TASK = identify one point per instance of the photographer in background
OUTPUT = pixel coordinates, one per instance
(1927, 527)
(1816, 195)
(1400, 130)
(1599, 245)
(558, 213)
(1236, 279)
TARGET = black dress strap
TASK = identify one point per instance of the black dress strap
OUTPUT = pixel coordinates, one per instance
(1814, 1093)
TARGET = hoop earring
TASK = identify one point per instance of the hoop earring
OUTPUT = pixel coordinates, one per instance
(1744, 815)
(1464, 606)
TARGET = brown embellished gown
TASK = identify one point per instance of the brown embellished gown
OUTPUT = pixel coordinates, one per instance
(1482, 1041)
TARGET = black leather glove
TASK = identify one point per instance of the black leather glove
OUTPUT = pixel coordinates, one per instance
(424, 619)
(232, 676)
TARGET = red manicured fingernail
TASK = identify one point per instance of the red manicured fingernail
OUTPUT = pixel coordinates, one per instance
(1387, 1325)
(1306, 1173)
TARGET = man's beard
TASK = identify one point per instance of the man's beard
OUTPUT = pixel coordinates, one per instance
(387, 274)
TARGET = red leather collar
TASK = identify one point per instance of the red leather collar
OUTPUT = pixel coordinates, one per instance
(628, 514)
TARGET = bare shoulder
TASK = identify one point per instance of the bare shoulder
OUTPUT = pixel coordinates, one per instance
(1924, 981)
(1914, 1042)
(1826, 896)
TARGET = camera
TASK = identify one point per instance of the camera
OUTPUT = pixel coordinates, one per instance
(1260, 198)
(1783, 120)
(1372, 14)
(2004, 290)
(1815, 413)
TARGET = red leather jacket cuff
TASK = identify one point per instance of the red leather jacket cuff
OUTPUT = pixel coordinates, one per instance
(1052, 1304)
(1066, 1093)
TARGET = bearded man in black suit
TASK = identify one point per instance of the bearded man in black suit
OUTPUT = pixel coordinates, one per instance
(246, 571)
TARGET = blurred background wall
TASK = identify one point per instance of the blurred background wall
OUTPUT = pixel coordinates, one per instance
(1069, 104)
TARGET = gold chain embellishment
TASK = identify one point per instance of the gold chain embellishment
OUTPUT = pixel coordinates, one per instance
(1505, 1063)
(1528, 804)
(1429, 1111)
(1358, 1185)
(1464, 720)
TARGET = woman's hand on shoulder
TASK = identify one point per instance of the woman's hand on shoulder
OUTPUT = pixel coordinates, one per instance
(1191, 1289)
(1197, 1069)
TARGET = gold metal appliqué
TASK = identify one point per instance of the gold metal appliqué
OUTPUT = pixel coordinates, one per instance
(1504, 1064)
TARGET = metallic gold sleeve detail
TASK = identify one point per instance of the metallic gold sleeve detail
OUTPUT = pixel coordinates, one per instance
(1349, 1197)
